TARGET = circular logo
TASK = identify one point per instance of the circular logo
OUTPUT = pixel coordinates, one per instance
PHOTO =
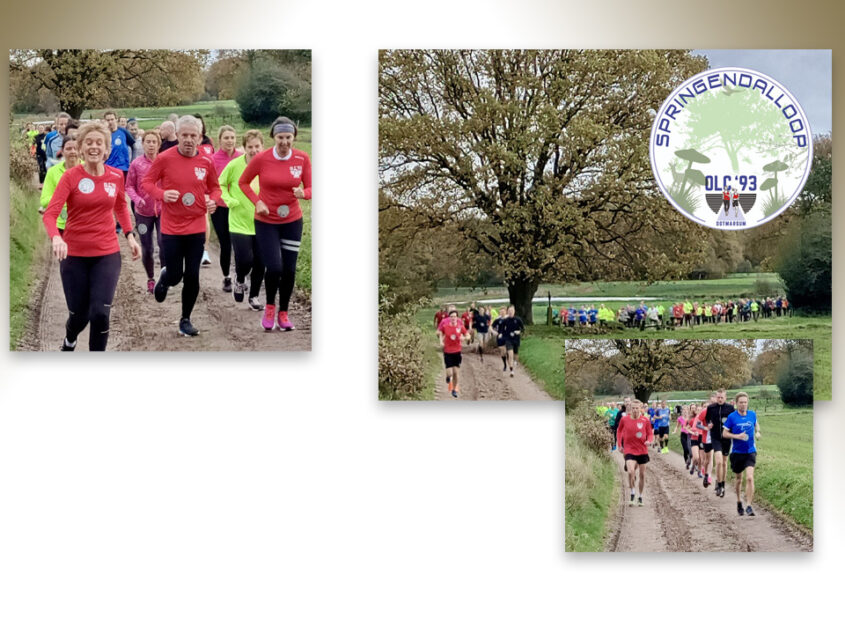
(731, 148)
(283, 211)
(639, 434)
(188, 199)
(142, 229)
(86, 185)
(117, 141)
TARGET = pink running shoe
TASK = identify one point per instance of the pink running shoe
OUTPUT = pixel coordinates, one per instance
(284, 322)
(269, 319)
(151, 286)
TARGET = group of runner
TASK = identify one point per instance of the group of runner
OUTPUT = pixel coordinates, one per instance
(172, 179)
(476, 326)
(712, 433)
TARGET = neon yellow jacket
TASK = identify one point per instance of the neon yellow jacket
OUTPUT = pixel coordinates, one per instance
(51, 181)
(241, 208)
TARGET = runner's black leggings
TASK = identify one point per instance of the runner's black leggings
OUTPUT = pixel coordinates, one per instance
(183, 255)
(220, 222)
(685, 444)
(145, 226)
(279, 247)
(89, 284)
(248, 260)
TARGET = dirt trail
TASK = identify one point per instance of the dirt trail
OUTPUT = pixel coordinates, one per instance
(484, 380)
(138, 322)
(681, 515)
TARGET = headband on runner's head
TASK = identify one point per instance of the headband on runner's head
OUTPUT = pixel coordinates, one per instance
(283, 127)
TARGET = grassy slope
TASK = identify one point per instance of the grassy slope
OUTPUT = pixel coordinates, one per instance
(26, 245)
(784, 474)
(591, 495)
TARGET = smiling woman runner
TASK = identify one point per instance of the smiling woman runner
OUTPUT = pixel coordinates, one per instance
(284, 176)
(88, 250)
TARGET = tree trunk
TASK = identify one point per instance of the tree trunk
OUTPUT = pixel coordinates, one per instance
(521, 293)
(73, 108)
(642, 393)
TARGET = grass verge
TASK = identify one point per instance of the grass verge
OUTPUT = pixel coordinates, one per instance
(26, 247)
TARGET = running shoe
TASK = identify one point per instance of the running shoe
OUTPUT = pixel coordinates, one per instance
(692, 470)
(186, 328)
(206, 261)
(716, 491)
(640, 502)
(255, 303)
(631, 503)
(706, 481)
(739, 509)
(227, 285)
(511, 372)
(67, 346)
(268, 322)
(722, 491)
(664, 450)
(699, 474)
(749, 511)
(238, 291)
(151, 286)
(284, 322)
(161, 288)
(455, 393)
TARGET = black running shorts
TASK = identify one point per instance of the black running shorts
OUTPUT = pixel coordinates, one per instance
(512, 345)
(722, 444)
(452, 359)
(643, 459)
(662, 431)
(707, 447)
(741, 461)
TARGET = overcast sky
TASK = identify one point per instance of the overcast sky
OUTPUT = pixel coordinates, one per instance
(805, 73)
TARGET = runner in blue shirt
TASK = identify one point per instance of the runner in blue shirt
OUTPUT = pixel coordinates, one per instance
(662, 416)
(743, 428)
(121, 145)
(572, 314)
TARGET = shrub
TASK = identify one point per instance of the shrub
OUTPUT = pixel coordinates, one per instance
(764, 288)
(795, 379)
(401, 353)
(805, 267)
(22, 166)
(591, 428)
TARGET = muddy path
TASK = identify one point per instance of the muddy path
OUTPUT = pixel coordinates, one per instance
(483, 380)
(138, 322)
(680, 515)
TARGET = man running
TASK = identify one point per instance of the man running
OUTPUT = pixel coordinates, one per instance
(634, 435)
(482, 326)
(168, 136)
(743, 428)
(498, 326)
(513, 327)
(662, 416)
(189, 189)
(717, 414)
(452, 334)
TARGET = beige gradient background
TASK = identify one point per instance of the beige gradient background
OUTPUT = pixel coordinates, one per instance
(274, 493)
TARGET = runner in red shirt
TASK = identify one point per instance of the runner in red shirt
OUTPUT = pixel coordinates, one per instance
(284, 177)
(89, 251)
(633, 437)
(189, 189)
(452, 335)
(706, 449)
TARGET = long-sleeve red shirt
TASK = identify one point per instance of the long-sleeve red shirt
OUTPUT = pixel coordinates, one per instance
(277, 179)
(635, 435)
(194, 175)
(92, 202)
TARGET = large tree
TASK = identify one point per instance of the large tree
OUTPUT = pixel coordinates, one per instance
(652, 365)
(92, 78)
(539, 158)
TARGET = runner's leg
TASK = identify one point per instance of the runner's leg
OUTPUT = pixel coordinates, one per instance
(269, 247)
(74, 272)
(194, 246)
(145, 225)
(220, 221)
(291, 238)
(103, 276)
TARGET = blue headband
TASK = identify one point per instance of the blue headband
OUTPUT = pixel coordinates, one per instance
(283, 127)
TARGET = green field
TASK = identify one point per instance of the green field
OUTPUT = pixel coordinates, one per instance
(549, 341)
(784, 474)
(591, 495)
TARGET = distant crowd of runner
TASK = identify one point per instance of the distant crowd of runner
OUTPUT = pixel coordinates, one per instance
(713, 433)
(685, 313)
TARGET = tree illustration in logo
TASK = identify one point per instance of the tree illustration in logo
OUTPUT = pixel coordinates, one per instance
(684, 184)
(776, 199)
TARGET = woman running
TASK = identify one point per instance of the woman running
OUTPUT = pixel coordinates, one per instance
(206, 147)
(227, 140)
(241, 215)
(147, 208)
(284, 176)
(88, 250)
(634, 436)
(681, 424)
(70, 159)
(185, 180)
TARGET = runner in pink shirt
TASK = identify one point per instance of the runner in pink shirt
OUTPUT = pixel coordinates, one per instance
(147, 208)
(227, 141)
